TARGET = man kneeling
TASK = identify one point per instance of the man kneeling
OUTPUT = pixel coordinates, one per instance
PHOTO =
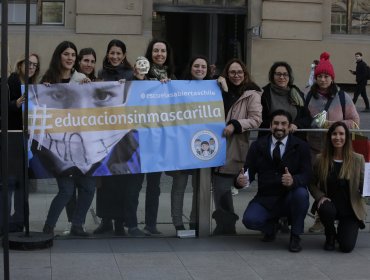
(283, 165)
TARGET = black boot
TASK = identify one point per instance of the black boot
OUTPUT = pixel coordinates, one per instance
(225, 222)
(119, 228)
(104, 227)
(329, 243)
(48, 229)
(78, 231)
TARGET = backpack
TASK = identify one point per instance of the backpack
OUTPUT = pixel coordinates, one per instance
(367, 72)
(342, 100)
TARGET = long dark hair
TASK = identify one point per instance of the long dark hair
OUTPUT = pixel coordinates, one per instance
(81, 54)
(282, 64)
(122, 46)
(169, 60)
(247, 83)
(187, 74)
(53, 74)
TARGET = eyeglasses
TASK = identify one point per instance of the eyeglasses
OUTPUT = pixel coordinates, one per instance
(32, 64)
(284, 75)
(238, 72)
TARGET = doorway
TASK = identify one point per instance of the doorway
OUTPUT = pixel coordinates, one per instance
(220, 37)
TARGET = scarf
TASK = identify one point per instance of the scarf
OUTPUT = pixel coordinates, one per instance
(158, 72)
(293, 95)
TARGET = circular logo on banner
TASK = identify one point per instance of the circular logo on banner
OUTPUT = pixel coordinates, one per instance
(204, 144)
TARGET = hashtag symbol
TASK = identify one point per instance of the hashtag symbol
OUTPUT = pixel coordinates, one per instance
(38, 119)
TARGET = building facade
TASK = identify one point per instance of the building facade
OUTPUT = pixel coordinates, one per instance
(259, 31)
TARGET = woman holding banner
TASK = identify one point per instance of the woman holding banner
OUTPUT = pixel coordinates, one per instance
(160, 57)
(337, 188)
(116, 200)
(197, 69)
(243, 110)
(86, 60)
(62, 70)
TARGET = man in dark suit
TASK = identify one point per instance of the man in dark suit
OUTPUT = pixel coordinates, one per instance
(361, 80)
(283, 164)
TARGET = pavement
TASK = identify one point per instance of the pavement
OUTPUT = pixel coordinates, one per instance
(242, 256)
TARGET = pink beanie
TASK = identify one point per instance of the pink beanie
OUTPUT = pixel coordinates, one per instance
(324, 66)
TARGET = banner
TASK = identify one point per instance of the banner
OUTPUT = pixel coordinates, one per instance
(108, 128)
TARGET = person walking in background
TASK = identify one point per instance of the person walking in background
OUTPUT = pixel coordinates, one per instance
(62, 70)
(361, 74)
(197, 69)
(327, 104)
(311, 78)
(337, 187)
(243, 110)
(283, 165)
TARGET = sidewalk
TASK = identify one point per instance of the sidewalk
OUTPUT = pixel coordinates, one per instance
(240, 257)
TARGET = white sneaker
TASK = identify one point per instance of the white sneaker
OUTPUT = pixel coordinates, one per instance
(234, 191)
(67, 229)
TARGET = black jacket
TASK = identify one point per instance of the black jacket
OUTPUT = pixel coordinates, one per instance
(14, 114)
(361, 72)
(259, 161)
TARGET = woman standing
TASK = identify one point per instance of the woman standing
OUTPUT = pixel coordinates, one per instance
(327, 104)
(159, 54)
(86, 60)
(337, 187)
(116, 200)
(15, 122)
(281, 93)
(62, 70)
(243, 110)
(198, 69)
(115, 64)
(15, 80)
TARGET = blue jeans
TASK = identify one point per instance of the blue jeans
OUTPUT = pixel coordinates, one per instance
(294, 206)
(66, 186)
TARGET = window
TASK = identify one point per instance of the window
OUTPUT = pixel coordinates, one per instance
(42, 12)
(350, 17)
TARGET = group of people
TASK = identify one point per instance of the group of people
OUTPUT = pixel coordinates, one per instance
(289, 164)
(281, 158)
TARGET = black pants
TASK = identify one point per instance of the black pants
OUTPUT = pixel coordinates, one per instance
(348, 226)
(153, 181)
(118, 198)
(361, 90)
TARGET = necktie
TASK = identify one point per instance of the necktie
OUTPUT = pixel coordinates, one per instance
(276, 153)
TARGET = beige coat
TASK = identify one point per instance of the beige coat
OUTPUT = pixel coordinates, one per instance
(356, 182)
(247, 110)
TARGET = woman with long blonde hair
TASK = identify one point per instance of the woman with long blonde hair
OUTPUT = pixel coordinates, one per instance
(337, 187)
